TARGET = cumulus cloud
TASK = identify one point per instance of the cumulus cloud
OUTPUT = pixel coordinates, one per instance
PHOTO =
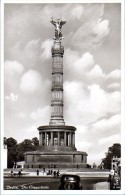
(83, 145)
(32, 52)
(41, 115)
(82, 67)
(27, 53)
(12, 68)
(77, 12)
(96, 73)
(93, 30)
(102, 101)
(84, 63)
(89, 103)
(70, 58)
(31, 81)
(114, 86)
(112, 124)
(82, 129)
(101, 28)
(115, 74)
(12, 97)
(110, 140)
(46, 47)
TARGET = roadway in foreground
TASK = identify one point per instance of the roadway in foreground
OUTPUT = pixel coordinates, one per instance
(38, 183)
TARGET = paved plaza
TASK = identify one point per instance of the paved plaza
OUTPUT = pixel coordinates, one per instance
(29, 180)
(50, 183)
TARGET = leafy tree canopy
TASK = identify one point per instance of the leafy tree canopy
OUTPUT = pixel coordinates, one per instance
(16, 151)
(113, 151)
(35, 141)
(10, 142)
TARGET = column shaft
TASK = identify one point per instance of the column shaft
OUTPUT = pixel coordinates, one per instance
(45, 138)
(51, 138)
(65, 138)
(41, 137)
(40, 140)
(57, 85)
(69, 139)
(73, 139)
(58, 138)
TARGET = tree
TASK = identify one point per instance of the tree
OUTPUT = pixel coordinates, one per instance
(11, 142)
(12, 151)
(35, 142)
(27, 145)
(16, 151)
(113, 151)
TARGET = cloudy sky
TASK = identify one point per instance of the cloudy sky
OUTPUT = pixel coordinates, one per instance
(91, 72)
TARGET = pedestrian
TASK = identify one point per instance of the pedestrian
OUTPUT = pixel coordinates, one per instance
(37, 172)
(58, 173)
(51, 172)
(54, 173)
(19, 173)
(12, 173)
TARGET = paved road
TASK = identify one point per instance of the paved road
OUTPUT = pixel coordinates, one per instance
(45, 183)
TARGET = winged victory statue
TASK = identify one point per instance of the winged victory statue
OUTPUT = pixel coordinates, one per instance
(58, 26)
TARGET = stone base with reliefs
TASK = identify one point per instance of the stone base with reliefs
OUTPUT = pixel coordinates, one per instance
(38, 159)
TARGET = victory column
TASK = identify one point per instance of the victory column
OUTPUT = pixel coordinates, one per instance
(56, 140)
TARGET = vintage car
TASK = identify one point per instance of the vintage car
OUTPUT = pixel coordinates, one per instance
(70, 182)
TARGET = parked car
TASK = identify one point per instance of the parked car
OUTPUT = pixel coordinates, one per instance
(70, 182)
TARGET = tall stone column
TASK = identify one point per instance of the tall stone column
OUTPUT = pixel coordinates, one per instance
(57, 84)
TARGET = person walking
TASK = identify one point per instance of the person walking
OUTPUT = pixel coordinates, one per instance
(12, 173)
(54, 173)
(19, 173)
(37, 172)
(51, 172)
(58, 173)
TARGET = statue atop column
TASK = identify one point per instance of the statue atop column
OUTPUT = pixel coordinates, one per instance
(58, 26)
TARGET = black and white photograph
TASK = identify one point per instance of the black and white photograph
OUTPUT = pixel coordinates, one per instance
(62, 80)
